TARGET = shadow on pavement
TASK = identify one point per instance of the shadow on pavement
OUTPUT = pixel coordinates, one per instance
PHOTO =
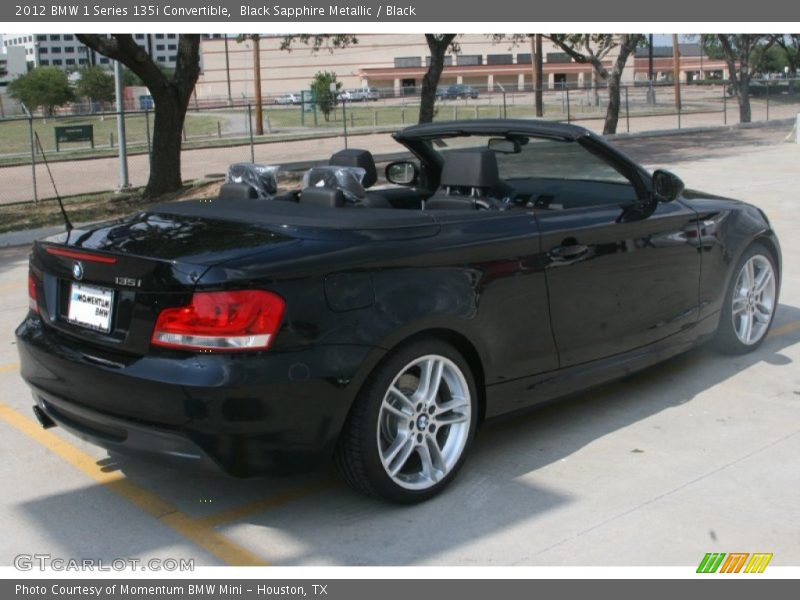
(335, 525)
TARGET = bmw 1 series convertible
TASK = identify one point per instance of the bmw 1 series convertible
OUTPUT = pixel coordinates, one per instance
(506, 263)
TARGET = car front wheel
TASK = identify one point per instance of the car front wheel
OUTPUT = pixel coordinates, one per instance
(411, 425)
(750, 302)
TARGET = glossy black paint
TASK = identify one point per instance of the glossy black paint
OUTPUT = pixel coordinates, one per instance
(541, 303)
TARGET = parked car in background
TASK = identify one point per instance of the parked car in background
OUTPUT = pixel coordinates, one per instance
(459, 90)
(354, 95)
(373, 94)
(288, 99)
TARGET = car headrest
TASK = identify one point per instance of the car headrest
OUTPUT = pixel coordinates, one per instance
(470, 168)
(353, 157)
(346, 179)
(322, 196)
(237, 191)
(262, 178)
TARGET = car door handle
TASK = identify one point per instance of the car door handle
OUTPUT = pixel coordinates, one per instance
(571, 252)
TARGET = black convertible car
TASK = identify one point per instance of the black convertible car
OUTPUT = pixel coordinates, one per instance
(507, 264)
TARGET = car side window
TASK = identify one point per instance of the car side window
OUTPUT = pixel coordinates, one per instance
(563, 175)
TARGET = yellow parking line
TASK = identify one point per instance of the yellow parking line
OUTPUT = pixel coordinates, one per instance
(12, 285)
(9, 367)
(191, 529)
(240, 512)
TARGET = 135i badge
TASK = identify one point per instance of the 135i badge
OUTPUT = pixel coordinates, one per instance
(127, 281)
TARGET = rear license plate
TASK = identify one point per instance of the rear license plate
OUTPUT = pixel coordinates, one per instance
(91, 306)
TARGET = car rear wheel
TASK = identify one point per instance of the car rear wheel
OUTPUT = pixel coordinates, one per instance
(412, 424)
(750, 302)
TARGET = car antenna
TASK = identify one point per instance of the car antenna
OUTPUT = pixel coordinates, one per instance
(67, 223)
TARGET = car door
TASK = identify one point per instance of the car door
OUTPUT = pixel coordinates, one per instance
(617, 279)
(615, 286)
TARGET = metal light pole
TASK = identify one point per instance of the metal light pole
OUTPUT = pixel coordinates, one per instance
(33, 152)
(124, 182)
(332, 90)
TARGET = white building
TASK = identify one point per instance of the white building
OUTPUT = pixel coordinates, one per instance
(63, 50)
(13, 64)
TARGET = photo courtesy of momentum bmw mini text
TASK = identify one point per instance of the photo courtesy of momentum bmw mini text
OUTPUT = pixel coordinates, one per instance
(309, 299)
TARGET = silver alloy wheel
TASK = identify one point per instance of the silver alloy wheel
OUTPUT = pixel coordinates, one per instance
(753, 299)
(424, 422)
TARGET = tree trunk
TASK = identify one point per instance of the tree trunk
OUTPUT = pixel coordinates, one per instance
(170, 95)
(739, 74)
(438, 45)
(628, 44)
(165, 159)
(743, 96)
(612, 112)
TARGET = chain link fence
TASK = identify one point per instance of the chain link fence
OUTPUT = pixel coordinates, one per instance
(81, 146)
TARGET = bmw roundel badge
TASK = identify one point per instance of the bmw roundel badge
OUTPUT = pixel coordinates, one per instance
(77, 271)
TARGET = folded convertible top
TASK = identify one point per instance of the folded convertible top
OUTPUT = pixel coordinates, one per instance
(278, 213)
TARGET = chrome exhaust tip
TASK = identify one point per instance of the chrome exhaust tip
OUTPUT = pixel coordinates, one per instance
(45, 421)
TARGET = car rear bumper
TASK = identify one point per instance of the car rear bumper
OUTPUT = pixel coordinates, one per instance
(120, 435)
(247, 414)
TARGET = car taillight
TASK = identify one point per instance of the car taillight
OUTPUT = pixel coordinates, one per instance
(221, 321)
(33, 301)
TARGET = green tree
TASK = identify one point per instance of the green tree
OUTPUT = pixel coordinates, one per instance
(321, 87)
(592, 49)
(790, 44)
(96, 84)
(45, 87)
(171, 95)
(744, 56)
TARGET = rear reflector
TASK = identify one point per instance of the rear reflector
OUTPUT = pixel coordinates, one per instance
(98, 258)
(221, 321)
(33, 300)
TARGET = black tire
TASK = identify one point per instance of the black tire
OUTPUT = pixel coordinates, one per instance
(357, 454)
(726, 340)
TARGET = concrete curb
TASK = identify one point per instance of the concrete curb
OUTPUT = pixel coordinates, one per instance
(693, 130)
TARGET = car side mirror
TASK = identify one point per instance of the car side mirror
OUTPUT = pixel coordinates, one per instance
(666, 186)
(402, 172)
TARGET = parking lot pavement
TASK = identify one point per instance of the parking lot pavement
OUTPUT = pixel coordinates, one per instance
(698, 454)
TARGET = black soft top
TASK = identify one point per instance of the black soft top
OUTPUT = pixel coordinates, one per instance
(276, 213)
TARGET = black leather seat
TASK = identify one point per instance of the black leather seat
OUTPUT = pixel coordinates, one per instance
(355, 157)
(468, 180)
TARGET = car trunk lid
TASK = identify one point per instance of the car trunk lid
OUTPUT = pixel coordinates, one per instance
(106, 284)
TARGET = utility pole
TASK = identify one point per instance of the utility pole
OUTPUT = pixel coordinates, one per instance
(124, 182)
(257, 80)
(676, 70)
(539, 74)
(651, 93)
(228, 71)
(534, 75)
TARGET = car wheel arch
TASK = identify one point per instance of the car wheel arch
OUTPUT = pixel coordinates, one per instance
(456, 339)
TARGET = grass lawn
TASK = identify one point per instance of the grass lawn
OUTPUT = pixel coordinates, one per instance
(15, 135)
